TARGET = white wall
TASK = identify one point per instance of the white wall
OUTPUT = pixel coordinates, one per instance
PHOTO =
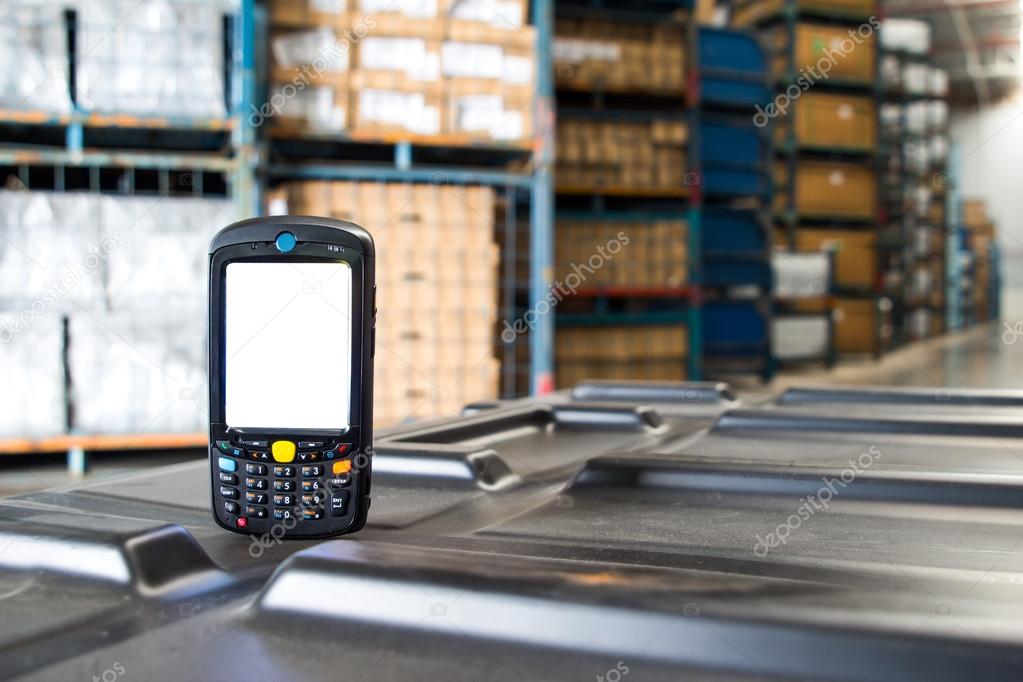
(989, 166)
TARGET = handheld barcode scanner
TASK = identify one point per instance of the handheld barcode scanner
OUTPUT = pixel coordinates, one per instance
(292, 317)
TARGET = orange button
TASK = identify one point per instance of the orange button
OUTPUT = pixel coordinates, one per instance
(342, 467)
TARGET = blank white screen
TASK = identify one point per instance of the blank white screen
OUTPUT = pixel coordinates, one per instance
(288, 345)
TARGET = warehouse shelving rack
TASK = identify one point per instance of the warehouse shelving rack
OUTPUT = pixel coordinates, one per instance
(768, 20)
(727, 246)
(186, 156)
(667, 305)
(520, 174)
(901, 213)
(127, 154)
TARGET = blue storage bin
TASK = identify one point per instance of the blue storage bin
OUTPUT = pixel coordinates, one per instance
(736, 271)
(734, 324)
(735, 248)
(739, 182)
(731, 231)
(731, 142)
(733, 68)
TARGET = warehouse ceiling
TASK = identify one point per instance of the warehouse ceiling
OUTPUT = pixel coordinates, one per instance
(976, 41)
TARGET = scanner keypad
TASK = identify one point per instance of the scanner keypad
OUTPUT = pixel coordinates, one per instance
(250, 489)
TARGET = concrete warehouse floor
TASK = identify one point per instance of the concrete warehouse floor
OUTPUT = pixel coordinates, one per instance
(989, 356)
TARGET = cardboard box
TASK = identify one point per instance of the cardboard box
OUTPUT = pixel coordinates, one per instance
(616, 56)
(975, 213)
(504, 15)
(831, 189)
(642, 254)
(388, 104)
(825, 52)
(307, 13)
(486, 111)
(405, 59)
(623, 155)
(861, 326)
(828, 120)
(855, 253)
(751, 11)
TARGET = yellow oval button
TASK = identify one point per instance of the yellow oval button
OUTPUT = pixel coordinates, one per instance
(283, 451)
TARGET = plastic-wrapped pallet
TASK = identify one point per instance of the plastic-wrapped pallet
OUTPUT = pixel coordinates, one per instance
(162, 247)
(310, 79)
(32, 402)
(937, 82)
(915, 78)
(139, 372)
(907, 35)
(800, 275)
(51, 250)
(33, 57)
(797, 336)
(152, 58)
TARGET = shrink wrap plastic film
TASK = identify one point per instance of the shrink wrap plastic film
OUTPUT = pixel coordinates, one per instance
(33, 57)
(797, 337)
(130, 275)
(32, 402)
(139, 371)
(154, 58)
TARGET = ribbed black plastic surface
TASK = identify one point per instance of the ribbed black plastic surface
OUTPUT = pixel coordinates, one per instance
(646, 532)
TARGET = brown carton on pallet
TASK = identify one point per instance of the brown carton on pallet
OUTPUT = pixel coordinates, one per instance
(601, 54)
(750, 11)
(824, 53)
(829, 120)
(830, 189)
(855, 253)
(390, 104)
(308, 13)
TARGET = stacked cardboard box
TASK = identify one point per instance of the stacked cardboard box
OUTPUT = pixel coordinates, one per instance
(599, 54)
(629, 353)
(749, 11)
(820, 119)
(826, 189)
(823, 53)
(378, 69)
(642, 156)
(981, 234)
(436, 288)
(621, 254)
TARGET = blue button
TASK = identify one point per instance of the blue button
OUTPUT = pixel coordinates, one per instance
(286, 242)
(227, 464)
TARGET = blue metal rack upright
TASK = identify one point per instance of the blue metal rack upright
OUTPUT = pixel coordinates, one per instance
(731, 80)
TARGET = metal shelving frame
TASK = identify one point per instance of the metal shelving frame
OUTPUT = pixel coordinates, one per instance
(683, 204)
(898, 203)
(115, 152)
(413, 159)
(790, 152)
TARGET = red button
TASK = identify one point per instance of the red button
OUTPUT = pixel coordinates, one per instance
(242, 522)
(342, 449)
